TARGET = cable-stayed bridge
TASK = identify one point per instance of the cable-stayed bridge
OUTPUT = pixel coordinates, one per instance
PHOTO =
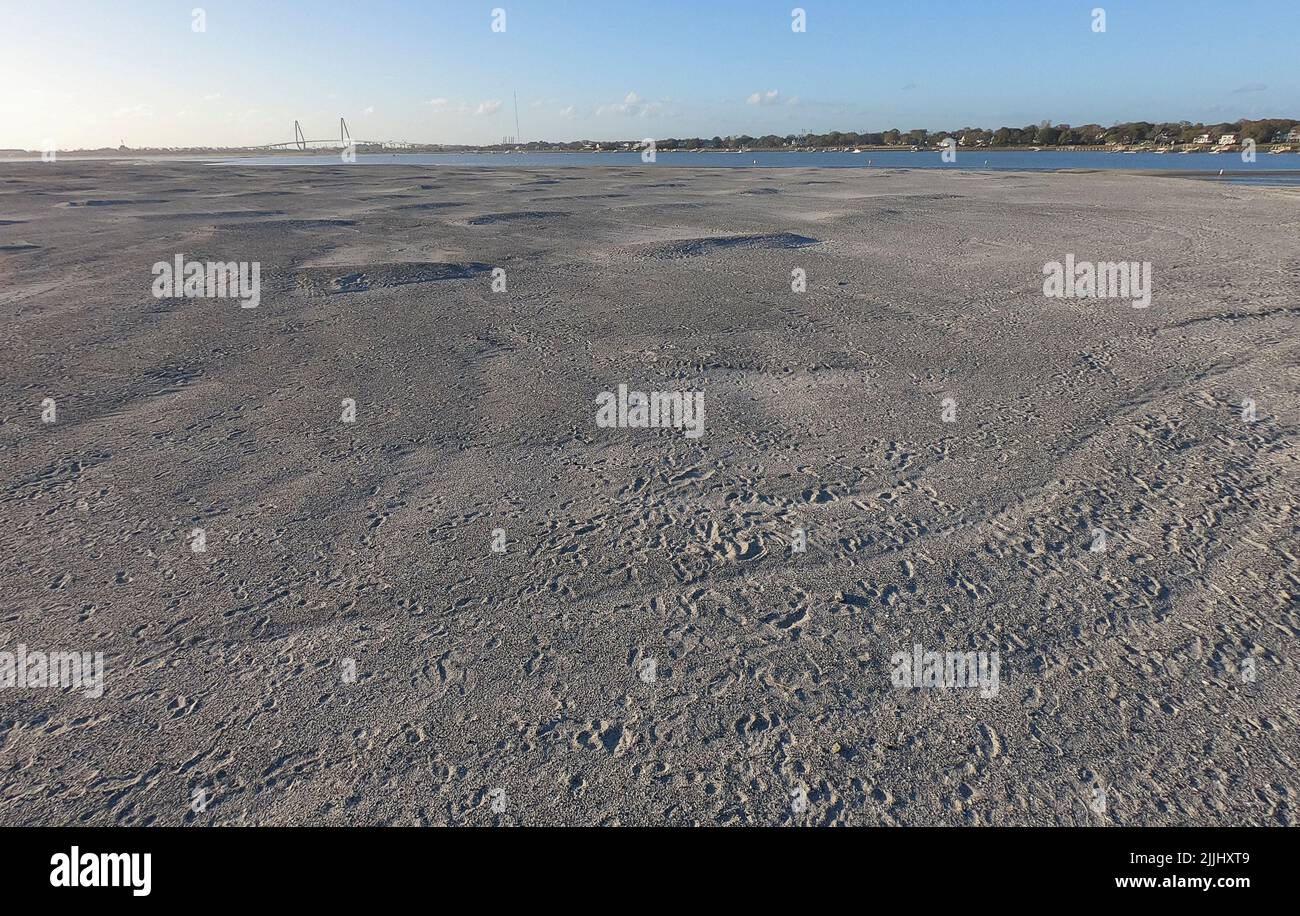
(345, 140)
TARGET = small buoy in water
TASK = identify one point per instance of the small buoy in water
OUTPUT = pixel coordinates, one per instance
(1220, 173)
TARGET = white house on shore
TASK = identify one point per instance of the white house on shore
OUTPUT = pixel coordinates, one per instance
(1228, 140)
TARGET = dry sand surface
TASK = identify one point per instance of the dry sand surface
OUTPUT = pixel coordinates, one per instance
(649, 649)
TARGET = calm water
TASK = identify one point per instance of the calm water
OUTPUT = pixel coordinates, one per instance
(1262, 171)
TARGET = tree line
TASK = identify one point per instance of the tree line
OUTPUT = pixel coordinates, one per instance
(1268, 130)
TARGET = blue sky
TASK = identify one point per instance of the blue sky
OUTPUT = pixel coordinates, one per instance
(85, 73)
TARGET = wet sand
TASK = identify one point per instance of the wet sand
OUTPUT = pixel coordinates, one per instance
(650, 647)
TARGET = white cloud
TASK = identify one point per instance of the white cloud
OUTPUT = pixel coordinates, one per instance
(369, 110)
(771, 97)
(632, 106)
(437, 104)
(490, 106)
(569, 111)
(134, 111)
(247, 116)
(212, 97)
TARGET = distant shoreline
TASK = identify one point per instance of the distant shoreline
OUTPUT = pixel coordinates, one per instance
(20, 155)
(25, 155)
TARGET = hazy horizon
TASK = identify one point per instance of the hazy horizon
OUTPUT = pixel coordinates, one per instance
(439, 73)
